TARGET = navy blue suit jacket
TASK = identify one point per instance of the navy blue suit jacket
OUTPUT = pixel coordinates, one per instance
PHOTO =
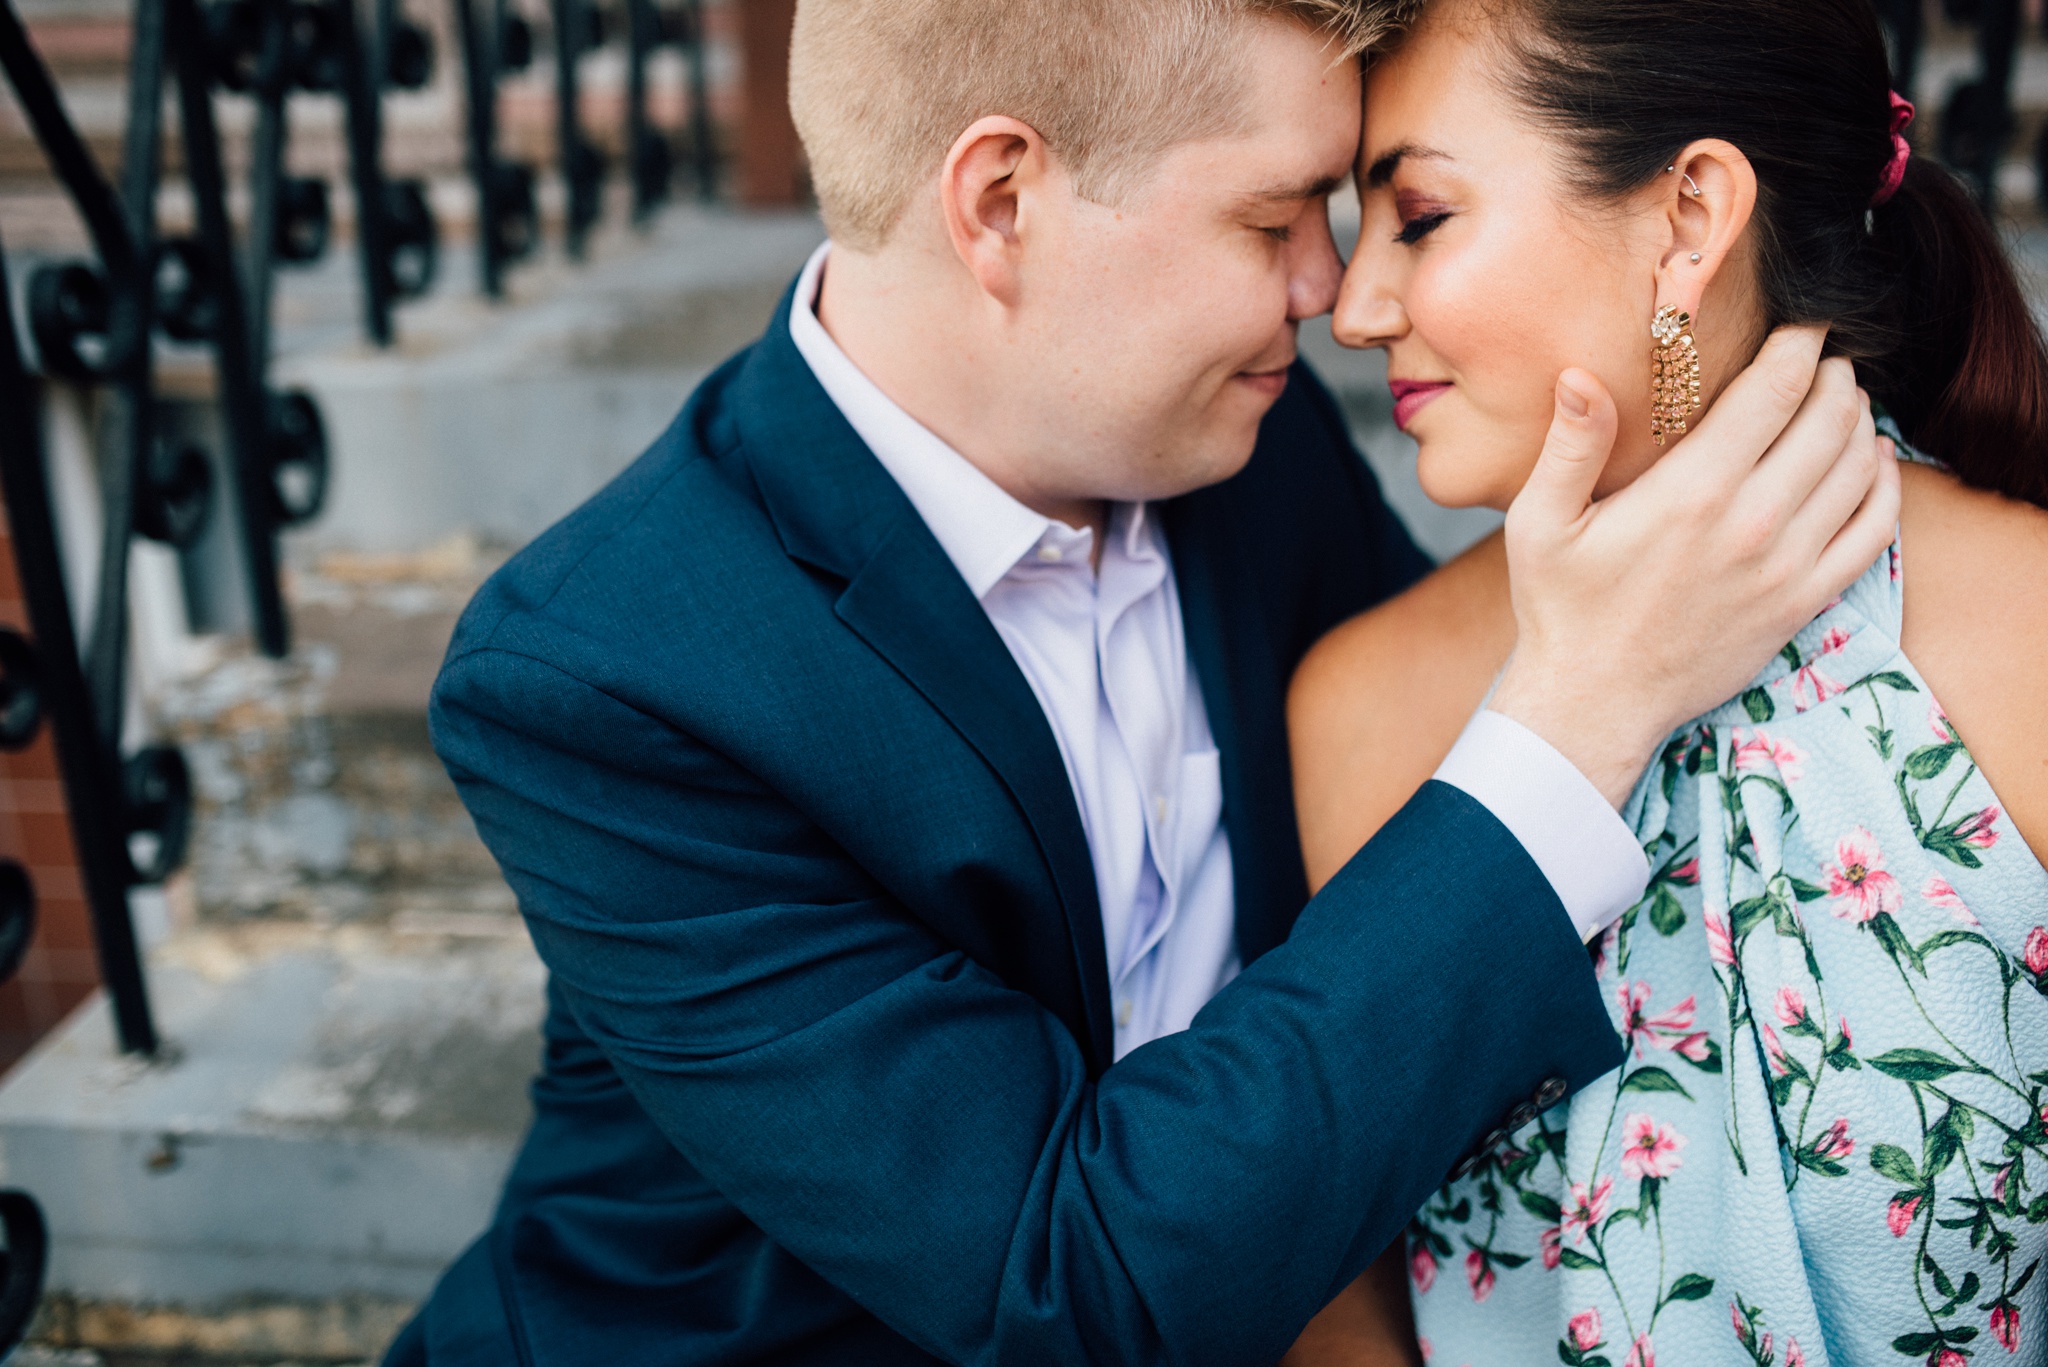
(827, 1073)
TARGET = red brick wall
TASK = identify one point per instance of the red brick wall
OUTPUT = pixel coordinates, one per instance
(59, 970)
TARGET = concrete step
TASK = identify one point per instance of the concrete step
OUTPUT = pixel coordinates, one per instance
(328, 1129)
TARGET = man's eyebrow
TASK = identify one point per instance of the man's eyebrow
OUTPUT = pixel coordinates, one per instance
(1296, 191)
(1383, 169)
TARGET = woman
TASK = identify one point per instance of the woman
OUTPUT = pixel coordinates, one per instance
(1828, 1141)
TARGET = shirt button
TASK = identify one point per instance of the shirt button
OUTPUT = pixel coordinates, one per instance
(1159, 805)
(1123, 1014)
(1051, 555)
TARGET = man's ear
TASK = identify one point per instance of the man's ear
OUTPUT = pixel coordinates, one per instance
(1707, 198)
(986, 192)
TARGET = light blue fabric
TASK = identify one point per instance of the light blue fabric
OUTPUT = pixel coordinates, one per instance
(1827, 1142)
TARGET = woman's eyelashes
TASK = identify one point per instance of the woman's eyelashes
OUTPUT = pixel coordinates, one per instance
(1413, 230)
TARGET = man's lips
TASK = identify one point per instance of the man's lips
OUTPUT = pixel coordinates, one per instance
(1271, 383)
(1410, 397)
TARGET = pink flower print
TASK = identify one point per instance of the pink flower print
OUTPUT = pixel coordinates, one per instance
(1422, 1268)
(1720, 941)
(1791, 1006)
(1650, 1148)
(1811, 686)
(1428, 1348)
(1587, 1210)
(1898, 1216)
(1763, 753)
(1551, 1244)
(1947, 1357)
(1847, 1043)
(1857, 880)
(1943, 894)
(1977, 830)
(1938, 722)
(1794, 1356)
(1834, 1142)
(1479, 1273)
(1604, 947)
(1643, 1354)
(1741, 1324)
(1585, 1329)
(2005, 1326)
(1686, 874)
(1998, 1181)
(1693, 1046)
(1776, 1051)
(1663, 1031)
(2037, 951)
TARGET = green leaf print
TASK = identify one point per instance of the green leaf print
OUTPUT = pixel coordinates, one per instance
(1895, 1163)
(1665, 912)
(1576, 1261)
(1653, 1079)
(1542, 1207)
(1691, 1287)
(1915, 1065)
(1929, 760)
(1895, 942)
(1891, 678)
(1758, 704)
(1747, 914)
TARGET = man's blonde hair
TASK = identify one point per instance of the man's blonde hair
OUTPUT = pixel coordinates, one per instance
(882, 88)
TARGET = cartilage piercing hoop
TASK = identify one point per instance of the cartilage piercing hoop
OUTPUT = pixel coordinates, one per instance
(1674, 373)
(1673, 170)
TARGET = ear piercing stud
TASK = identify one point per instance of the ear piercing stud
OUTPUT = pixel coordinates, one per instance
(1695, 258)
(1673, 169)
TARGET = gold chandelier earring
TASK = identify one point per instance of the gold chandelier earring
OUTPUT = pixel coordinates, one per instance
(1674, 373)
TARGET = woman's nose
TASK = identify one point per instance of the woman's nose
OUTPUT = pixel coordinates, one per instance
(1369, 311)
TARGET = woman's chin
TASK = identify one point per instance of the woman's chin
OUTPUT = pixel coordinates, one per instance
(1455, 476)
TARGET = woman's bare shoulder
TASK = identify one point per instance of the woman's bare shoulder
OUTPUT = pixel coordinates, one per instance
(1378, 703)
(1976, 627)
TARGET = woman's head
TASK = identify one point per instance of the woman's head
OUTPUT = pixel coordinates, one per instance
(1540, 176)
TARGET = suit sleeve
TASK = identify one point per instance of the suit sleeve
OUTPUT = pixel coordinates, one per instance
(928, 1139)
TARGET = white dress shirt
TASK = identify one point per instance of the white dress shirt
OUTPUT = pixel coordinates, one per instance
(1103, 651)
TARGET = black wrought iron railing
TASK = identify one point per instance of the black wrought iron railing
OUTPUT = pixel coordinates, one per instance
(497, 41)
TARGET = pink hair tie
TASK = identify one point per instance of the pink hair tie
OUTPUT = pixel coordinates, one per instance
(1902, 151)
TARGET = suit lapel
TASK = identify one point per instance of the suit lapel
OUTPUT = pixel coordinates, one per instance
(1242, 687)
(838, 510)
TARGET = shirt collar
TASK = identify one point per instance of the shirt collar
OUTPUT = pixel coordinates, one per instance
(982, 530)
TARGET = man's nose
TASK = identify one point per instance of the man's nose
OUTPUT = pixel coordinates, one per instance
(1316, 271)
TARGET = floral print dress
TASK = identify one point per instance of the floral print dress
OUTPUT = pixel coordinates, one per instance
(1829, 1140)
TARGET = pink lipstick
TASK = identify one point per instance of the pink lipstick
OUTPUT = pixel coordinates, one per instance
(1411, 396)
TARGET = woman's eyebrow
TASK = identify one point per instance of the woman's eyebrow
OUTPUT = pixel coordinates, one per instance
(1383, 169)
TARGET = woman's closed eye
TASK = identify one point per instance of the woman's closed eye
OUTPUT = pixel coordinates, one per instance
(1413, 230)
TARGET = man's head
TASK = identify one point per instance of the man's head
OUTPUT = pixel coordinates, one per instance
(1097, 222)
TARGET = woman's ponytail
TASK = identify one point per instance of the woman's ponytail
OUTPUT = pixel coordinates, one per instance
(1968, 380)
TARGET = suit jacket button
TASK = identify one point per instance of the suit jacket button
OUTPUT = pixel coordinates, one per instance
(1551, 1092)
(1521, 1116)
(1463, 1167)
(1492, 1142)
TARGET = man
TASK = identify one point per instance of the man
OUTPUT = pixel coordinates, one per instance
(891, 765)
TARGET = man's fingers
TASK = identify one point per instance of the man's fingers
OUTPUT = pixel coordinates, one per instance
(1863, 538)
(1813, 445)
(1757, 404)
(1581, 438)
(1842, 489)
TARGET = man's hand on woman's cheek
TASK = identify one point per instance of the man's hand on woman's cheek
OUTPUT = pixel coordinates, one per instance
(1651, 606)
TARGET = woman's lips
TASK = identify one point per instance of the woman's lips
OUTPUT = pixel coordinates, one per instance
(1410, 397)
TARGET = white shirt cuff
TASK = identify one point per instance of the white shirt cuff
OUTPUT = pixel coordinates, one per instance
(1579, 841)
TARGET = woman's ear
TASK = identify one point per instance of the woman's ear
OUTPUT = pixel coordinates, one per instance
(986, 189)
(1707, 197)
